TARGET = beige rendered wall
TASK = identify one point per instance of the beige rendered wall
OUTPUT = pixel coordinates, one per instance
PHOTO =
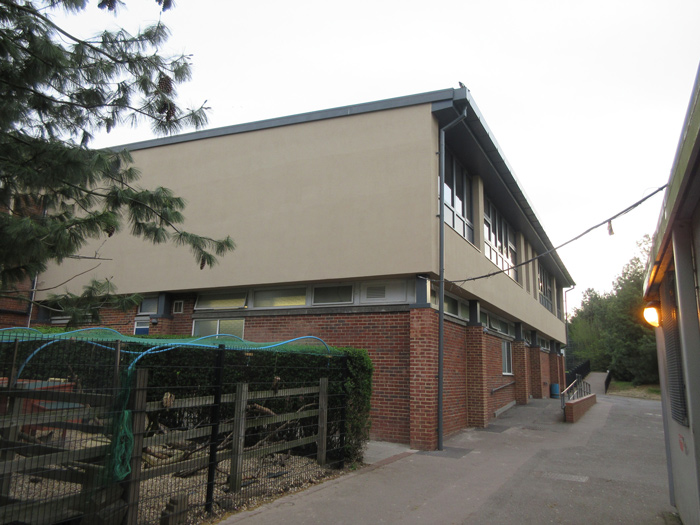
(499, 294)
(332, 199)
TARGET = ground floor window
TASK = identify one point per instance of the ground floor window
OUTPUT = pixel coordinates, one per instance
(141, 327)
(507, 354)
(203, 327)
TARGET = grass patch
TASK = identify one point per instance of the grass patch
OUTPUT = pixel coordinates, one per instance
(620, 386)
(627, 389)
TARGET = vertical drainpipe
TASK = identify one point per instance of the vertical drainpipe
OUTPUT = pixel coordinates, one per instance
(441, 289)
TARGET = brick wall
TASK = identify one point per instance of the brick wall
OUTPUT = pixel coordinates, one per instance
(544, 367)
(385, 335)
(495, 377)
(423, 378)
(477, 400)
(521, 369)
(556, 371)
(574, 410)
(13, 312)
(455, 378)
(540, 372)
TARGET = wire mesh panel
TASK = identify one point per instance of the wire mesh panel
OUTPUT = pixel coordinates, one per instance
(100, 431)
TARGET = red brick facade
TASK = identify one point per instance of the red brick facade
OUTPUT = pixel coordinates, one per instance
(403, 345)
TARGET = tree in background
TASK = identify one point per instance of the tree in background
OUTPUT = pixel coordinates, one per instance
(56, 193)
(609, 328)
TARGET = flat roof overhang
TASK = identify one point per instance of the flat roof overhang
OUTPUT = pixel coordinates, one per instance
(482, 154)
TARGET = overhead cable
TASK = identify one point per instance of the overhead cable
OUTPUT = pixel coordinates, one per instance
(589, 230)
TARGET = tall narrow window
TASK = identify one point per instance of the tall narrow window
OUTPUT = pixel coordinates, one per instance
(546, 292)
(458, 200)
(507, 356)
(500, 241)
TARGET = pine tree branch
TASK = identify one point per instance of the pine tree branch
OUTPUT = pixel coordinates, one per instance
(50, 22)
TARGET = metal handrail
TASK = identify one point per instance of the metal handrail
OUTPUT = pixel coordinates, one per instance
(575, 390)
(502, 386)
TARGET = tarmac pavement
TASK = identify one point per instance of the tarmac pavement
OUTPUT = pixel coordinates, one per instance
(527, 467)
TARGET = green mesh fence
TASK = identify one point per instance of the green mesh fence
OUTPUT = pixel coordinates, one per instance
(65, 402)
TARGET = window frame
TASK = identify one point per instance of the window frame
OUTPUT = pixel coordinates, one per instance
(218, 325)
(149, 298)
(147, 322)
(244, 293)
(500, 241)
(456, 175)
(545, 285)
(507, 357)
(314, 302)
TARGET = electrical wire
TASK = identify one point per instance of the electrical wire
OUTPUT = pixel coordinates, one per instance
(589, 230)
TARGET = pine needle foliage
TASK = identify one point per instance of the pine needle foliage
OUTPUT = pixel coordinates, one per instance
(56, 192)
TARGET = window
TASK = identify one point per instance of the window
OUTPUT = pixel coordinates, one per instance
(280, 298)
(458, 198)
(507, 356)
(546, 288)
(215, 301)
(497, 324)
(178, 307)
(500, 241)
(149, 305)
(203, 327)
(141, 327)
(383, 292)
(452, 306)
(333, 294)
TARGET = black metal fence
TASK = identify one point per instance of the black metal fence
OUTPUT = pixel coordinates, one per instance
(582, 369)
(122, 431)
(608, 379)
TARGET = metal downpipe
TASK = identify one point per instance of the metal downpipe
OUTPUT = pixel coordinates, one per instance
(441, 288)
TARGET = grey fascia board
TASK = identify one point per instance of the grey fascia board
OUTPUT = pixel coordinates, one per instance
(447, 95)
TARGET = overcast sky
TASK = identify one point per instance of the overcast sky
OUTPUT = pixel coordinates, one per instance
(586, 99)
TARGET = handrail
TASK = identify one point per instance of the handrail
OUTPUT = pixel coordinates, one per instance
(581, 388)
(502, 386)
(569, 387)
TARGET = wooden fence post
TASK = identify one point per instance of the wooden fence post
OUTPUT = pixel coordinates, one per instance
(14, 408)
(322, 420)
(137, 405)
(236, 477)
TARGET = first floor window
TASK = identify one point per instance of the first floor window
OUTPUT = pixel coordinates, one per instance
(203, 327)
(507, 354)
(546, 288)
(500, 241)
(458, 198)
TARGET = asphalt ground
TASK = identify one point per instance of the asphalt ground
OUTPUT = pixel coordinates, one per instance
(527, 467)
